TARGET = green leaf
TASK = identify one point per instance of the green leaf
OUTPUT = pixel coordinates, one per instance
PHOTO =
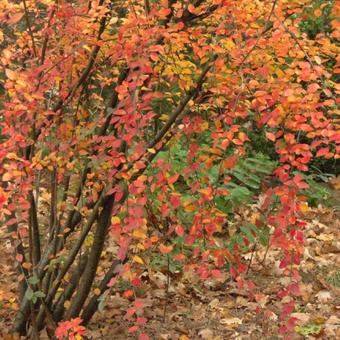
(248, 233)
(102, 301)
(308, 329)
(39, 294)
(33, 280)
(29, 294)
(264, 235)
(250, 181)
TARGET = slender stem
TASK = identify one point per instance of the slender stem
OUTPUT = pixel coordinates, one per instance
(34, 230)
(29, 27)
(251, 258)
(92, 306)
(167, 287)
(94, 257)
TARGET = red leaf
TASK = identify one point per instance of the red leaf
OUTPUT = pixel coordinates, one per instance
(179, 230)
(19, 258)
(141, 321)
(179, 257)
(128, 293)
(192, 9)
(312, 88)
(216, 273)
(173, 179)
(136, 282)
(175, 201)
(139, 304)
(133, 329)
(321, 152)
(270, 136)
(130, 312)
(118, 196)
(11, 221)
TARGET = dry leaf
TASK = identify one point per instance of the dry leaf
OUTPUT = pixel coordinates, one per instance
(206, 334)
(215, 303)
(323, 296)
(303, 318)
(231, 321)
(333, 320)
(183, 337)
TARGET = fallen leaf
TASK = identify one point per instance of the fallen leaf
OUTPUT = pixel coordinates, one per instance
(206, 334)
(323, 296)
(214, 303)
(231, 321)
(303, 318)
(333, 320)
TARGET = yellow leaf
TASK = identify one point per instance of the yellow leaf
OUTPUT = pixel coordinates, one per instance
(189, 208)
(67, 304)
(137, 259)
(140, 246)
(97, 291)
(153, 151)
(113, 20)
(163, 118)
(6, 176)
(16, 173)
(138, 233)
(204, 126)
(304, 208)
(87, 48)
(279, 73)
(27, 265)
(318, 60)
(10, 74)
(67, 277)
(254, 25)
(88, 241)
(229, 44)
(12, 155)
(115, 220)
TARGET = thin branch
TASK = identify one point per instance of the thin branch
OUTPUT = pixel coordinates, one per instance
(45, 42)
(94, 258)
(75, 249)
(30, 29)
(292, 34)
(265, 30)
(58, 307)
(92, 305)
(181, 106)
(34, 230)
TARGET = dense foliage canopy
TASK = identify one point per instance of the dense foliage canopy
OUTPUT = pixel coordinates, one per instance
(151, 123)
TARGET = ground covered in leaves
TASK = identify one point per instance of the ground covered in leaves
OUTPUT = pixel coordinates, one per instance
(181, 306)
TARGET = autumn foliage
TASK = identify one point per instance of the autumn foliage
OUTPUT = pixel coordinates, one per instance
(124, 121)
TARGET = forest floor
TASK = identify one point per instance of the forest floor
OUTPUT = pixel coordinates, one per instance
(189, 308)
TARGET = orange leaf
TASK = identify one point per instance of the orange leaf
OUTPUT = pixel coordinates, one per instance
(15, 18)
(270, 136)
(165, 249)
